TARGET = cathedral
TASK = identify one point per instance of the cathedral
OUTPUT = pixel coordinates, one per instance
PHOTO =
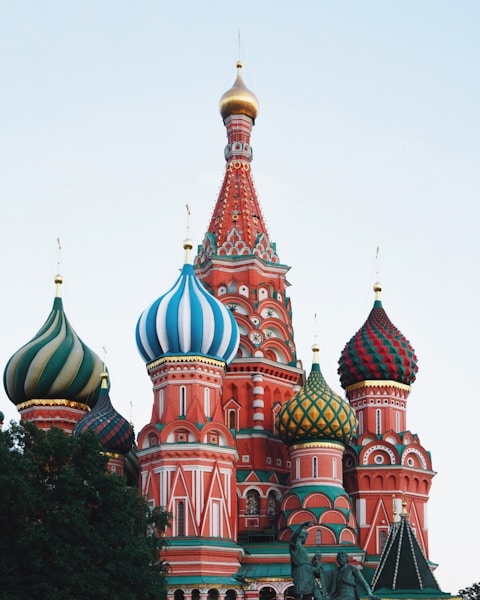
(243, 445)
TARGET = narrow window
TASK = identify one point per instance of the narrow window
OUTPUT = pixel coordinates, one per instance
(378, 421)
(183, 401)
(314, 467)
(360, 422)
(232, 419)
(162, 403)
(181, 519)
(206, 402)
(397, 421)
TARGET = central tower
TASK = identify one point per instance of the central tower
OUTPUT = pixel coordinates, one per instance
(239, 265)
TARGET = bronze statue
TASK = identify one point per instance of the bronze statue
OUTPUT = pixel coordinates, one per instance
(348, 581)
(304, 581)
(344, 582)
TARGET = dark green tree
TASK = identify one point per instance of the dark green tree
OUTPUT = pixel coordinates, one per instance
(69, 528)
(471, 593)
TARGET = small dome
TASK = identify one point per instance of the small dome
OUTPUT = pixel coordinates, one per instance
(239, 100)
(378, 351)
(113, 430)
(187, 320)
(55, 364)
(316, 412)
(2, 417)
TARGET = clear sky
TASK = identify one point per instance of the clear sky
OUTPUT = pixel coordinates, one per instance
(368, 136)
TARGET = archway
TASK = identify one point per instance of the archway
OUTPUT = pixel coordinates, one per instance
(267, 593)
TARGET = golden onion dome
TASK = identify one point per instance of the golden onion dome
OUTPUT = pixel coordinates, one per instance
(239, 100)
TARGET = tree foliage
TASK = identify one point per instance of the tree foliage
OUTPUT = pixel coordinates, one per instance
(471, 593)
(69, 528)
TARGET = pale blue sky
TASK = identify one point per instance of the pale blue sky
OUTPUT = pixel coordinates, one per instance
(368, 135)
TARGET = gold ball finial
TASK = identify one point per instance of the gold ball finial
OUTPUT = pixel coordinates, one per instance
(377, 288)
(188, 247)
(58, 283)
(239, 100)
(316, 351)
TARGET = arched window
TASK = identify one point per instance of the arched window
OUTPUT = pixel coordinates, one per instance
(360, 422)
(334, 469)
(297, 468)
(318, 537)
(181, 518)
(253, 503)
(397, 421)
(271, 504)
(378, 421)
(206, 402)
(232, 419)
(183, 401)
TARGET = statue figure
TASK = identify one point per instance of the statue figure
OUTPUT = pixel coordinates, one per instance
(348, 580)
(303, 575)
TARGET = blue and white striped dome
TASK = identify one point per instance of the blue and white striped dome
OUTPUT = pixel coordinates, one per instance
(187, 320)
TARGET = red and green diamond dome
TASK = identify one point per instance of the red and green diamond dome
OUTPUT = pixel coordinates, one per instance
(378, 351)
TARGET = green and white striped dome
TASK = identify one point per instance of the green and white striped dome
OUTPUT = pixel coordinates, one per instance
(55, 364)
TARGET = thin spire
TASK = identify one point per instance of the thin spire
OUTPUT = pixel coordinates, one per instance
(239, 47)
(315, 346)
(187, 206)
(104, 373)
(58, 276)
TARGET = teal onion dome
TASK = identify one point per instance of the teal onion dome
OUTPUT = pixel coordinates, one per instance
(114, 432)
(2, 417)
(187, 320)
(316, 412)
(378, 351)
(55, 364)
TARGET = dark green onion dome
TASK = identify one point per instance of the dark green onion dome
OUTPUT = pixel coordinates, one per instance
(316, 412)
(378, 351)
(114, 431)
(2, 417)
(55, 364)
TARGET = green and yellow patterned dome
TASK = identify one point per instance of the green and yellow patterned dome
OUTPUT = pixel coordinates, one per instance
(316, 412)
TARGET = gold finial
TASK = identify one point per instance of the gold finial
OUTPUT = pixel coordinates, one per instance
(58, 277)
(404, 503)
(104, 373)
(394, 510)
(377, 288)
(315, 346)
(131, 413)
(188, 246)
